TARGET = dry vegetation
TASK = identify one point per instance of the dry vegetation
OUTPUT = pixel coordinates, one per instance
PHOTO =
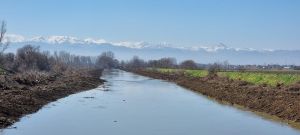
(31, 78)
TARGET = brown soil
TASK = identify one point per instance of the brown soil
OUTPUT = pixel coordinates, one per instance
(20, 95)
(280, 101)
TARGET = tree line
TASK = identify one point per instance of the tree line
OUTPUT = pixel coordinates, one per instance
(167, 62)
(32, 58)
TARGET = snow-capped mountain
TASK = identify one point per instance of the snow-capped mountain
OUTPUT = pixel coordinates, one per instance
(126, 50)
(51, 39)
(137, 45)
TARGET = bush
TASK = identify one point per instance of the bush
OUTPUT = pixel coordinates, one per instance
(214, 69)
(188, 64)
(32, 78)
(30, 58)
(136, 63)
(106, 61)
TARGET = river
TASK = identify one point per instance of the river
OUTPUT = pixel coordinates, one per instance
(130, 104)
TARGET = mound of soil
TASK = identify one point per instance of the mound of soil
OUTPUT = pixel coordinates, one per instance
(20, 95)
(280, 101)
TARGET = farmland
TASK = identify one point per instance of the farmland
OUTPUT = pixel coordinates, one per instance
(271, 78)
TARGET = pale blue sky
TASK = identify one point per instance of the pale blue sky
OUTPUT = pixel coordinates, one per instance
(260, 24)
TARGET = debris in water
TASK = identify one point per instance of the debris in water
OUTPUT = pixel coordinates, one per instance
(12, 128)
(88, 97)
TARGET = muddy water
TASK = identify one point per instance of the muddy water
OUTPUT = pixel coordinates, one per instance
(130, 104)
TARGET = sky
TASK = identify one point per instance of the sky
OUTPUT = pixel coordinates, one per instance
(258, 24)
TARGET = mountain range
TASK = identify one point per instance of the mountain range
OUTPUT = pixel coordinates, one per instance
(145, 50)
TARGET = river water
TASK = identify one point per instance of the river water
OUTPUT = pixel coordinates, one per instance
(130, 104)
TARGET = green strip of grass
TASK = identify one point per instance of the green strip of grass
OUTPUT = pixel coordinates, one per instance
(196, 73)
(167, 70)
(269, 78)
(263, 78)
(193, 73)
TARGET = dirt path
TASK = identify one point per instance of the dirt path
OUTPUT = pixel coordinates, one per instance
(20, 98)
(281, 101)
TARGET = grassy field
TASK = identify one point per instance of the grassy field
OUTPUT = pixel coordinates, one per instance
(261, 77)
(193, 73)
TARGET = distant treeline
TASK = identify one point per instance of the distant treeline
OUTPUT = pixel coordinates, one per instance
(136, 62)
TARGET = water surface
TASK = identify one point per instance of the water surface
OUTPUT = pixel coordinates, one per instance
(130, 104)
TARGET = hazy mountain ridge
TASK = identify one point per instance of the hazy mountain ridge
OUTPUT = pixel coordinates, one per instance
(138, 45)
(145, 50)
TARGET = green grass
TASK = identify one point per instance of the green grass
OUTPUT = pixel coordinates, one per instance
(262, 77)
(193, 73)
(167, 70)
(196, 73)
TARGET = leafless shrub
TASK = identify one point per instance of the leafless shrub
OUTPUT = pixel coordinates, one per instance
(188, 64)
(214, 69)
(63, 60)
(57, 66)
(136, 63)
(7, 60)
(106, 61)
(31, 77)
(163, 63)
(30, 58)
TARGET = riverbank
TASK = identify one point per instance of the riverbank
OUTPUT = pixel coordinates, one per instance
(20, 95)
(281, 101)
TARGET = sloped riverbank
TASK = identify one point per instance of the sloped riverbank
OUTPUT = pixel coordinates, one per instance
(21, 97)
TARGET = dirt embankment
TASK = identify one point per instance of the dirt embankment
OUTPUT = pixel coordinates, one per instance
(20, 95)
(281, 101)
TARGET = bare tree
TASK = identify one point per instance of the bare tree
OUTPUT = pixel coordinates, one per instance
(163, 63)
(106, 60)
(188, 64)
(3, 46)
(214, 69)
(167, 62)
(7, 60)
(225, 65)
(30, 58)
(136, 63)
